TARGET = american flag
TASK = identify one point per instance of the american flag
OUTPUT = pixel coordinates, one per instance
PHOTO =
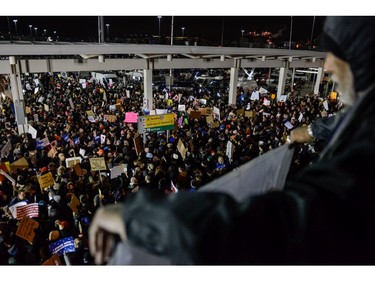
(29, 210)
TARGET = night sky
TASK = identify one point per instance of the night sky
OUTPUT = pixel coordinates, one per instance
(84, 28)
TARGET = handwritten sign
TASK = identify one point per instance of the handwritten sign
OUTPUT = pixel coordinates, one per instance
(97, 164)
(26, 229)
(46, 180)
(70, 162)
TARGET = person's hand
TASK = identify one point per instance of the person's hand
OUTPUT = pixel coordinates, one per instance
(105, 230)
(300, 135)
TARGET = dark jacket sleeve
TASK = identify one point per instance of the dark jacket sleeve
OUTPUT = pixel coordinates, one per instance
(323, 128)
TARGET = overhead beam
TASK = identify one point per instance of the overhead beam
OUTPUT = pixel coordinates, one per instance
(59, 65)
(63, 48)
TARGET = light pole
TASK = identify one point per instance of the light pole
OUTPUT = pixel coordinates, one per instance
(31, 31)
(312, 34)
(107, 25)
(182, 29)
(159, 17)
(36, 32)
(15, 24)
(45, 32)
(290, 36)
(242, 31)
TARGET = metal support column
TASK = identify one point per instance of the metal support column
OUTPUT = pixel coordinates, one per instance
(17, 96)
(282, 77)
(233, 83)
(319, 78)
(147, 85)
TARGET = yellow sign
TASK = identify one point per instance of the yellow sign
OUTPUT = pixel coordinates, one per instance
(26, 229)
(46, 180)
(152, 121)
(74, 202)
(98, 164)
(333, 95)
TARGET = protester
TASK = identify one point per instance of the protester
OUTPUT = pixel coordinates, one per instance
(323, 216)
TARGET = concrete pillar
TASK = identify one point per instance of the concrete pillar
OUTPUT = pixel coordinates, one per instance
(17, 96)
(147, 86)
(281, 85)
(233, 85)
(319, 78)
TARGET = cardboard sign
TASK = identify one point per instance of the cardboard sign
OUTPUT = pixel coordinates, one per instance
(77, 168)
(70, 162)
(195, 115)
(46, 180)
(112, 118)
(138, 144)
(97, 164)
(19, 164)
(181, 148)
(209, 119)
(215, 125)
(240, 111)
(249, 114)
(74, 203)
(26, 229)
(54, 260)
(205, 111)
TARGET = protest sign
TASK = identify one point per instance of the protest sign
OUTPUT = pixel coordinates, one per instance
(97, 164)
(26, 229)
(46, 180)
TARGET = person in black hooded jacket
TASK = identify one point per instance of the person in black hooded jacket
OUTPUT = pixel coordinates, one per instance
(325, 215)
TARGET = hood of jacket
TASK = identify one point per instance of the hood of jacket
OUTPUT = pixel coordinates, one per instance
(352, 39)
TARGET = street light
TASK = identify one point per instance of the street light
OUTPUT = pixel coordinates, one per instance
(15, 24)
(31, 31)
(312, 34)
(45, 32)
(291, 30)
(36, 32)
(159, 17)
(182, 29)
(107, 25)
(242, 31)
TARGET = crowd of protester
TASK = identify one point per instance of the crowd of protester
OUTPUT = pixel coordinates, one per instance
(57, 108)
